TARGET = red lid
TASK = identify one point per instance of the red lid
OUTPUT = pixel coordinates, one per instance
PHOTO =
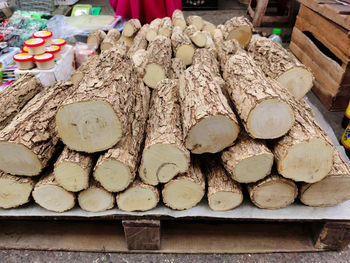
(53, 49)
(42, 34)
(44, 57)
(34, 42)
(25, 49)
(22, 57)
(59, 42)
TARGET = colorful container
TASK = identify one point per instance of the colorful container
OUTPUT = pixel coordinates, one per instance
(54, 50)
(35, 46)
(60, 42)
(24, 61)
(45, 61)
(46, 35)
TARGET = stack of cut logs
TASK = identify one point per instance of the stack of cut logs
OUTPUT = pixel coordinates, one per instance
(171, 110)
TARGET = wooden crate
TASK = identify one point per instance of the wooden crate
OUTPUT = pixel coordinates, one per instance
(324, 46)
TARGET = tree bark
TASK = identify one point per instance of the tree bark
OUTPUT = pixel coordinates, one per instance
(131, 27)
(177, 68)
(210, 45)
(153, 29)
(226, 49)
(96, 37)
(196, 21)
(198, 37)
(238, 28)
(209, 27)
(128, 41)
(179, 19)
(87, 66)
(203, 56)
(140, 60)
(140, 41)
(110, 40)
(166, 27)
(182, 46)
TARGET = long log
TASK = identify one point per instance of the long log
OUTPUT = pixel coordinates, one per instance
(96, 37)
(110, 40)
(177, 68)
(131, 27)
(179, 19)
(196, 21)
(198, 37)
(139, 42)
(182, 46)
(238, 28)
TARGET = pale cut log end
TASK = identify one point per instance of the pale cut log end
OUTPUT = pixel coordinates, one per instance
(165, 32)
(14, 193)
(17, 159)
(199, 39)
(90, 126)
(71, 176)
(161, 163)
(113, 175)
(76, 77)
(153, 74)
(106, 46)
(128, 30)
(331, 191)
(212, 135)
(95, 200)
(243, 34)
(270, 119)
(53, 198)
(254, 168)
(151, 35)
(197, 21)
(180, 23)
(298, 81)
(223, 201)
(181, 194)
(185, 53)
(309, 161)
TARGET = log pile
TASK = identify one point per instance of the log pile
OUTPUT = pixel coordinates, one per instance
(170, 112)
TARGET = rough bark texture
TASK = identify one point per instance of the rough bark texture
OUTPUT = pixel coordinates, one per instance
(218, 37)
(209, 27)
(14, 190)
(13, 99)
(179, 19)
(210, 45)
(203, 56)
(131, 27)
(274, 60)
(241, 24)
(226, 49)
(166, 27)
(197, 21)
(34, 129)
(153, 29)
(138, 197)
(198, 38)
(140, 41)
(139, 60)
(110, 40)
(273, 192)
(177, 68)
(96, 37)
(128, 41)
(249, 150)
(85, 68)
(164, 129)
(202, 98)
(180, 41)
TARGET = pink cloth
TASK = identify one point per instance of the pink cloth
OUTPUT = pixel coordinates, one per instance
(145, 10)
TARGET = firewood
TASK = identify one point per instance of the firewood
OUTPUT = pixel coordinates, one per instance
(226, 49)
(14, 190)
(330, 191)
(140, 60)
(138, 197)
(272, 192)
(166, 27)
(186, 190)
(131, 27)
(179, 19)
(96, 37)
(196, 21)
(198, 37)
(72, 170)
(30, 139)
(209, 124)
(177, 68)
(182, 46)
(164, 155)
(139, 42)
(209, 27)
(78, 75)
(15, 97)
(277, 63)
(262, 107)
(238, 28)
(210, 45)
(153, 29)
(110, 40)
(218, 37)
(50, 195)
(248, 160)
(128, 41)
(203, 56)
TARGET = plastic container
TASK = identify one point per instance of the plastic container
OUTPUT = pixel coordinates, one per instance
(24, 49)
(35, 46)
(60, 42)
(276, 36)
(46, 35)
(24, 61)
(45, 61)
(54, 50)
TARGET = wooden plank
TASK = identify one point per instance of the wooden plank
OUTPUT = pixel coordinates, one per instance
(277, 19)
(260, 12)
(339, 8)
(332, 236)
(342, 20)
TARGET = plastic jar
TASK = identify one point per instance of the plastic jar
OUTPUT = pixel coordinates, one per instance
(24, 49)
(46, 35)
(24, 61)
(35, 46)
(45, 61)
(60, 42)
(54, 50)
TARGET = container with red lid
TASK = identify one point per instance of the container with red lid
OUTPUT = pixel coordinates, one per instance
(46, 35)
(35, 46)
(24, 49)
(45, 61)
(24, 61)
(60, 42)
(54, 50)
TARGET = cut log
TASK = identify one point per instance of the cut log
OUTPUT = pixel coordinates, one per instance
(223, 193)
(305, 153)
(139, 42)
(164, 155)
(209, 27)
(95, 198)
(203, 56)
(89, 121)
(197, 37)
(50, 195)
(273, 192)
(262, 107)
(179, 19)
(13, 99)
(166, 27)
(226, 49)
(210, 45)
(96, 37)
(177, 68)
(128, 41)
(248, 160)
(140, 60)
(138, 197)
(72, 170)
(30, 140)
(197, 21)
(14, 190)
(79, 74)
(158, 62)
(131, 27)
(209, 124)
(182, 46)
(279, 64)
(116, 169)
(218, 37)
(238, 28)
(186, 190)
(332, 190)
(153, 29)
(110, 40)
